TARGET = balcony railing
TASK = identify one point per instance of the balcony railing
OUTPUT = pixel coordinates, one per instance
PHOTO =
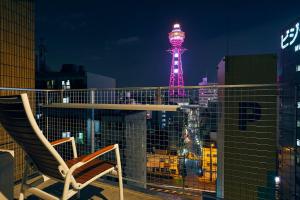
(216, 139)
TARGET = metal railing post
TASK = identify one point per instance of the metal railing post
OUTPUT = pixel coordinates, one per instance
(92, 99)
(47, 120)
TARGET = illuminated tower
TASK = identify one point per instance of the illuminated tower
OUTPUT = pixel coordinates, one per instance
(176, 38)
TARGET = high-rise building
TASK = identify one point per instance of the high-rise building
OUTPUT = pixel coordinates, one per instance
(207, 94)
(289, 138)
(17, 44)
(247, 129)
(176, 38)
(17, 69)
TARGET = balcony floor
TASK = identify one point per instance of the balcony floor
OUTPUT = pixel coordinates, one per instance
(103, 191)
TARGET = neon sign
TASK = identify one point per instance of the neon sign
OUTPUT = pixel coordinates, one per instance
(290, 36)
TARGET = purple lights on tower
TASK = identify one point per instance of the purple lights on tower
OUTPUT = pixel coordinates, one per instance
(176, 38)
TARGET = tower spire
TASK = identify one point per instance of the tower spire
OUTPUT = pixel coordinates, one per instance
(176, 38)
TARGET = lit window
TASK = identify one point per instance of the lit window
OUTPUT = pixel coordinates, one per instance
(176, 55)
(297, 47)
(176, 71)
(68, 85)
(66, 100)
(38, 116)
(297, 68)
(298, 104)
(66, 134)
(176, 62)
(298, 142)
(79, 138)
(298, 123)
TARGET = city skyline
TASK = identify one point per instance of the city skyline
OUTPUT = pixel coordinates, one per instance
(104, 36)
(234, 134)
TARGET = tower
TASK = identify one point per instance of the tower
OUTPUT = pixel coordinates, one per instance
(176, 38)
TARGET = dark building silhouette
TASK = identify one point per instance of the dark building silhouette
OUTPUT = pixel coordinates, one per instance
(247, 129)
(72, 76)
(289, 123)
(40, 62)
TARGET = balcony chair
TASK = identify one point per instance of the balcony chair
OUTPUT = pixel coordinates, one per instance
(17, 118)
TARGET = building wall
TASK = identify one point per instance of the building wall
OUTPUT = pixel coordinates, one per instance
(162, 164)
(209, 162)
(17, 44)
(16, 57)
(99, 81)
(248, 136)
(289, 76)
(136, 136)
(128, 129)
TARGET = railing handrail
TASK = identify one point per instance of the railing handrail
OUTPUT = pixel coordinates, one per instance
(148, 88)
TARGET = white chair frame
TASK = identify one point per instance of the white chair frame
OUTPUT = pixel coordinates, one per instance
(66, 172)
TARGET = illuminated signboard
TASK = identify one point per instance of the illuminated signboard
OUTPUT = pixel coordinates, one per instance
(289, 38)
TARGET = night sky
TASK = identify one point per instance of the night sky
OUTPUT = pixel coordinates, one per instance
(127, 40)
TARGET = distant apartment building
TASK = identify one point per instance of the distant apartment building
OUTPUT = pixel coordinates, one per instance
(247, 129)
(207, 94)
(72, 76)
(209, 163)
(161, 163)
(85, 128)
(17, 69)
(289, 138)
(208, 102)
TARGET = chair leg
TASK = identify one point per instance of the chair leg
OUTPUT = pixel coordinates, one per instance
(65, 191)
(119, 173)
(121, 185)
(66, 188)
(24, 180)
(21, 196)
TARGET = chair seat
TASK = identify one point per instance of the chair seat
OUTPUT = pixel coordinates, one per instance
(90, 169)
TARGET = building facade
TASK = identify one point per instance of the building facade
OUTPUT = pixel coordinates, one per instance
(207, 94)
(247, 130)
(289, 140)
(17, 69)
(72, 76)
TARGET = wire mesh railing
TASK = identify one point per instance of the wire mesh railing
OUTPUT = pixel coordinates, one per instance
(219, 139)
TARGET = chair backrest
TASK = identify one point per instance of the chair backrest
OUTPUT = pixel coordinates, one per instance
(17, 119)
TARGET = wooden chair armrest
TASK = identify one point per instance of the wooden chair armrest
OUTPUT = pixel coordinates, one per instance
(98, 153)
(61, 141)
